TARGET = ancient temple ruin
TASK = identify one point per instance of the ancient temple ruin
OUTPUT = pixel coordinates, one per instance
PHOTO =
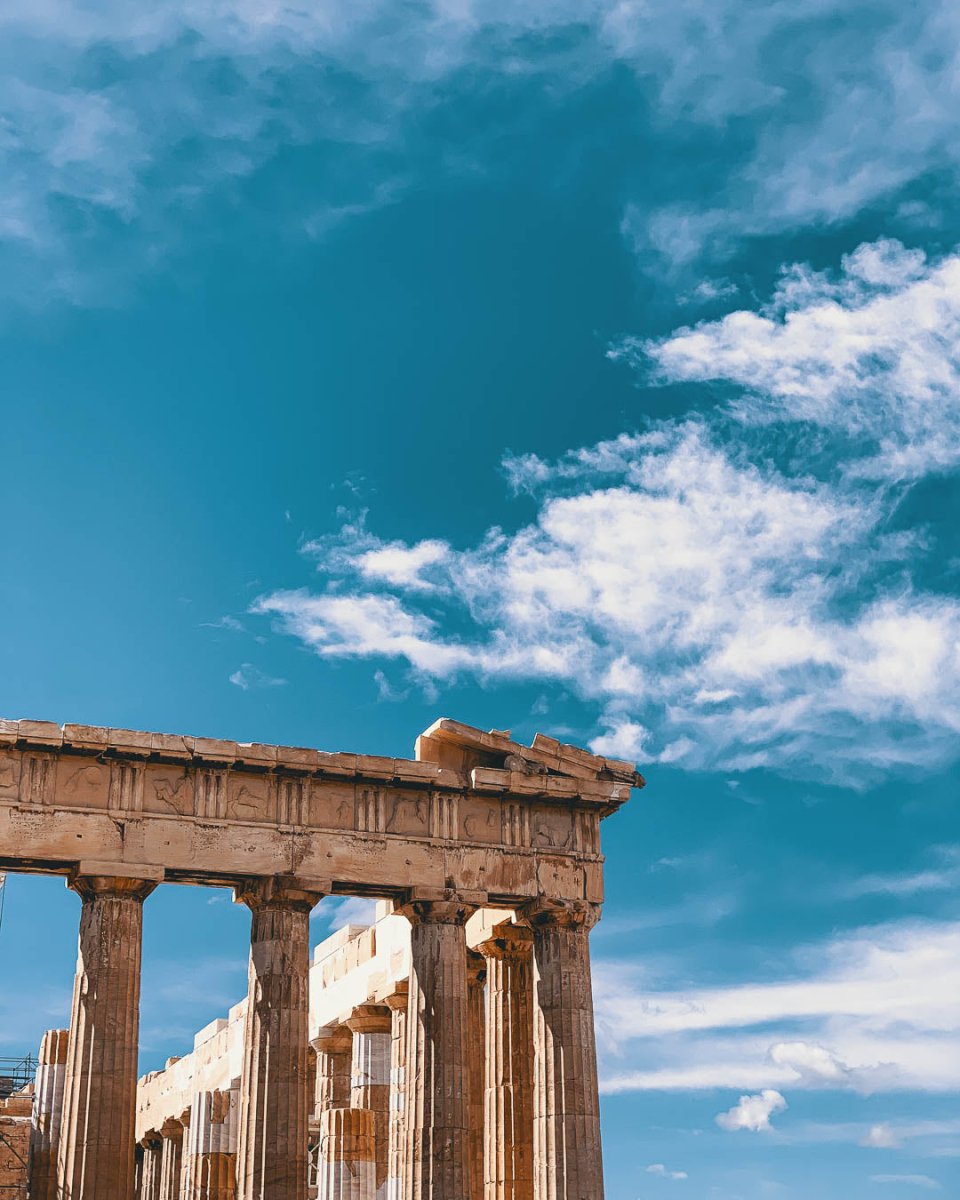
(446, 1052)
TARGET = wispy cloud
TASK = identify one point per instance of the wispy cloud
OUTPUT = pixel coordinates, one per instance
(871, 1011)
(920, 1181)
(248, 677)
(664, 1173)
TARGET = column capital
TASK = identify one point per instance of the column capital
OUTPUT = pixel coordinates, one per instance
(369, 1018)
(90, 880)
(440, 906)
(560, 914)
(476, 969)
(281, 891)
(329, 1039)
(171, 1128)
(508, 941)
(151, 1138)
(397, 1000)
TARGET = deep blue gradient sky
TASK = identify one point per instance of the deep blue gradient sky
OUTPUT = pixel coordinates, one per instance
(587, 368)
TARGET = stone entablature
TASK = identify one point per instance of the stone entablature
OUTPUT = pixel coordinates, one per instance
(497, 817)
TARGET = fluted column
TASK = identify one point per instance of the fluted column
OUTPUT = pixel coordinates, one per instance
(370, 1025)
(348, 1160)
(566, 1109)
(397, 1003)
(96, 1151)
(171, 1160)
(212, 1145)
(47, 1111)
(508, 1151)
(438, 1165)
(152, 1144)
(334, 1049)
(272, 1152)
(476, 978)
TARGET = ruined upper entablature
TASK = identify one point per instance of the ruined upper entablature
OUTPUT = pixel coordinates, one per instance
(474, 810)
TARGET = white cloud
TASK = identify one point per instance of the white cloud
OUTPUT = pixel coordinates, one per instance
(873, 1011)
(881, 1137)
(103, 143)
(734, 612)
(753, 1112)
(664, 1173)
(921, 1181)
(872, 354)
(247, 677)
(348, 910)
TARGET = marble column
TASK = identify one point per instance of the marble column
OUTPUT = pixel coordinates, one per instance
(96, 1154)
(348, 1160)
(508, 1149)
(152, 1145)
(153, 1150)
(47, 1110)
(212, 1145)
(397, 1003)
(171, 1160)
(439, 1062)
(371, 1028)
(476, 979)
(566, 1102)
(333, 1046)
(272, 1151)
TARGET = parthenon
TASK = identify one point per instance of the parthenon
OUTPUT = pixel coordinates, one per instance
(445, 1052)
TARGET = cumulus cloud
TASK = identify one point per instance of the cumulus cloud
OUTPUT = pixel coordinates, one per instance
(872, 1011)
(753, 1112)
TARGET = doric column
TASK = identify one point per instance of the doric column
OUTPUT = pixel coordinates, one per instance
(438, 1165)
(347, 1160)
(371, 1025)
(47, 1110)
(152, 1145)
(508, 1152)
(566, 1109)
(272, 1152)
(397, 1003)
(212, 1145)
(171, 1160)
(334, 1049)
(96, 1152)
(476, 978)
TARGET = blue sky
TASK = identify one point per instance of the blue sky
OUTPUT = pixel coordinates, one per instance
(589, 368)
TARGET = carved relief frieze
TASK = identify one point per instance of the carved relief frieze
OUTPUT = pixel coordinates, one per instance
(551, 828)
(408, 813)
(482, 821)
(250, 797)
(9, 776)
(83, 782)
(168, 789)
(331, 805)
